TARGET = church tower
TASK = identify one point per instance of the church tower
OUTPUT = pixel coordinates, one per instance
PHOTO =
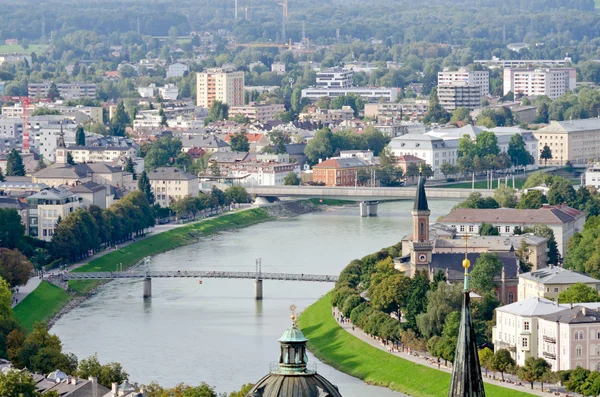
(421, 247)
(60, 154)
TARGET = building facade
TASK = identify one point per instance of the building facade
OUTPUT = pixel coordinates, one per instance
(465, 76)
(66, 90)
(335, 78)
(592, 175)
(100, 154)
(177, 69)
(459, 95)
(414, 109)
(338, 172)
(46, 206)
(219, 85)
(552, 82)
(369, 94)
(577, 141)
(257, 111)
(550, 282)
(171, 184)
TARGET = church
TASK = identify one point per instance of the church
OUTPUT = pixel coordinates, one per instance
(438, 248)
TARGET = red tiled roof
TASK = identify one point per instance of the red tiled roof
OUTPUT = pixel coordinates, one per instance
(409, 157)
(252, 137)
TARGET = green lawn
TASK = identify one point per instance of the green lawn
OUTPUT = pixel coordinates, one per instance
(41, 305)
(483, 184)
(18, 49)
(336, 347)
(133, 253)
(333, 202)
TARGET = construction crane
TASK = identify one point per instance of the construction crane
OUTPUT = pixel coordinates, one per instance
(284, 6)
(266, 45)
(246, 8)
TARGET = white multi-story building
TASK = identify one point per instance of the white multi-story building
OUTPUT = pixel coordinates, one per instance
(496, 62)
(171, 184)
(46, 206)
(100, 154)
(177, 69)
(257, 173)
(11, 127)
(369, 94)
(552, 82)
(459, 94)
(592, 174)
(219, 85)
(66, 91)
(414, 109)
(257, 111)
(577, 141)
(550, 282)
(465, 76)
(169, 92)
(335, 78)
(516, 327)
(278, 67)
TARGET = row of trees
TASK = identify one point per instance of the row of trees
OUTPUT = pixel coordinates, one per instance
(190, 205)
(326, 144)
(87, 230)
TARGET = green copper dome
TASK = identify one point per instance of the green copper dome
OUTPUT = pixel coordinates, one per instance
(293, 335)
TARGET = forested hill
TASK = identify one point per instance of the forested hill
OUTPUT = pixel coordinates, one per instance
(400, 21)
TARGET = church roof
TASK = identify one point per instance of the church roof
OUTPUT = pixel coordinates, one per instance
(451, 262)
(293, 334)
(310, 385)
(421, 197)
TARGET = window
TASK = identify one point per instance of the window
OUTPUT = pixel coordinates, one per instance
(507, 229)
(462, 229)
(555, 289)
(578, 350)
(511, 297)
(576, 335)
(525, 324)
(524, 342)
(422, 229)
(470, 228)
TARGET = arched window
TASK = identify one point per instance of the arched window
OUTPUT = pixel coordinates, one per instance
(598, 366)
(578, 351)
(511, 297)
(422, 229)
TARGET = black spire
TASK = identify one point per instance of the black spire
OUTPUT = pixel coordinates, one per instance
(60, 143)
(466, 372)
(421, 197)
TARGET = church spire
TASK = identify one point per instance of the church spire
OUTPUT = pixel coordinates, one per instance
(60, 143)
(466, 372)
(421, 197)
(60, 154)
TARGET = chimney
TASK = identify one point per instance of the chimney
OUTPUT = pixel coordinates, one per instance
(94, 381)
(73, 380)
(114, 389)
(584, 310)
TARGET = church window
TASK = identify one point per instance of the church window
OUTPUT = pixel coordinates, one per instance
(422, 229)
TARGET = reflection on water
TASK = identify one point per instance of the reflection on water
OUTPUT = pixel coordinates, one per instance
(216, 332)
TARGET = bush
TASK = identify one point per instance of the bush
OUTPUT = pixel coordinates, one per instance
(350, 303)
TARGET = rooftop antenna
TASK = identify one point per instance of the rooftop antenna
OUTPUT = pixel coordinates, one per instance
(236, 9)
(43, 28)
(304, 31)
(138, 25)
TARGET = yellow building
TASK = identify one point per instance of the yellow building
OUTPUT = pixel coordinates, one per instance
(171, 184)
(550, 282)
(577, 141)
(219, 85)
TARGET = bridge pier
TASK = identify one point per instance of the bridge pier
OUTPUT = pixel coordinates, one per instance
(147, 288)
(368, 208)
(258, 289)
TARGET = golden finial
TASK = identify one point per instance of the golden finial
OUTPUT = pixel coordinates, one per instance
(293, 316)
(466, 262)
(420, 168)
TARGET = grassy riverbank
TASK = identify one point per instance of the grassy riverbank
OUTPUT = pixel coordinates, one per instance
(41, 305)
(336, 347)
(332, 202)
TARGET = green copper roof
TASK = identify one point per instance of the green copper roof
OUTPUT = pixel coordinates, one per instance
(292, 334)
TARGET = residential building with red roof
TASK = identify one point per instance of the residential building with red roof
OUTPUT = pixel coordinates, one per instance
(338, 172)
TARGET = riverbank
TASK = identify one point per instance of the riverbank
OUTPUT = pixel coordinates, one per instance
(42, 306)
(331, 344)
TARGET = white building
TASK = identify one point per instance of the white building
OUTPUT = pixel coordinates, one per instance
(171, 184)
(335, 78)
(496, 62)
(177, 69)
(219, 85)
(552, 82)
(278, 67)
(516, 327)
(100, 154)
(464, 76)
(592, 174)
(66, 91)
(46, 206)
(459, 95)
(550, 282)
(369, 94)
(169, 92)
(258, 173)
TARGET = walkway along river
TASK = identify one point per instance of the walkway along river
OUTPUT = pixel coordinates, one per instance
(214, 331)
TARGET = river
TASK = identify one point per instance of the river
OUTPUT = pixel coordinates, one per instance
(215, 332)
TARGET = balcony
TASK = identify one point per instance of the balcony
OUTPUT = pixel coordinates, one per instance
(549, 339)
(551, 356)
(505, 345)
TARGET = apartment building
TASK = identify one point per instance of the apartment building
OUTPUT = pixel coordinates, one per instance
(465, 76)
(257, 111)
(219, 85)
(339, 171)
(66, 91)
(171, 184)
(592, 175)
(11, 128)
(550, 282)
(552, 82)
(459, 94)
(496, 62)
(577, 141)
(100, 154)
(263, 173)
(414, 109)
(278, 67)
(369, 94)
(335, 78)
(46, 206)
(177, 69)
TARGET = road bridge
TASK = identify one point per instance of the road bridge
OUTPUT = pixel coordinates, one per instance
(367, 196)
(147, 276)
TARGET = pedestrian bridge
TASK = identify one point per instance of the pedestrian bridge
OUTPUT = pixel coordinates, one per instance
(147, 276)
(363, 193)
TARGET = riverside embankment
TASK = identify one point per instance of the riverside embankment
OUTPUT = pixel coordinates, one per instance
(48, 302)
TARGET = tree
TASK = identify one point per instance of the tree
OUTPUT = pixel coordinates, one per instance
(42, 352)
(214, 168)
(435, 112)
(2, 179)
(130, 167)
(482, 276)
(53, 92)
(486, 144)
(14, 164)
(106, 374)
(239, 142)
(144, 186)
(120, 120)
(388, 173)
(577, 378)
(448, 169)
(45, 111)
(388, 288)
(534, 370)
(5, 300)
(279, 139)
(415, 304)
(70, 159)
(80, 136)
(11, 228)
(237, 194)
(162, 152)
(218, 111)
(546, 154)
(461, 116)
(41, 164)
(291, 179)
(319, 148)
(163, 117)
(17, 383)
(506, 197)
(487, 229)
(537, 179)
(445, 299)
(561, 191)
(542, 113)
(14, 267)
(485, 357)
(533, 199)
(591, 385)
(579, 293)
(544, 231)
(476, 201)
(501, 362)
(517, 151)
